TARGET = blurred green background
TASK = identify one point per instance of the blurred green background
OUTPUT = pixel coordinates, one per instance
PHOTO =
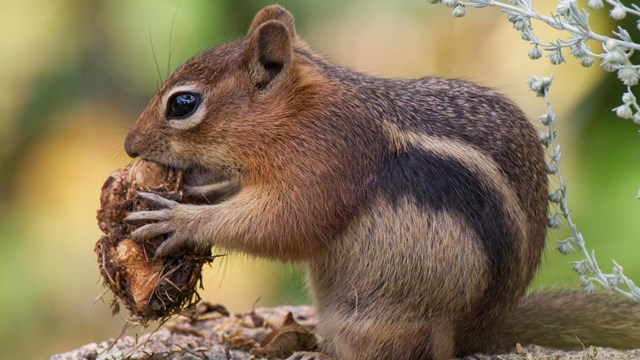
(74, 75)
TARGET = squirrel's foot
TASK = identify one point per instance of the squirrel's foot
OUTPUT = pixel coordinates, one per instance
(176, 220)
(307, 355)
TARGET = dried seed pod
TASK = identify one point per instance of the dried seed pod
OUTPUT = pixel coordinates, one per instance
(149, 288)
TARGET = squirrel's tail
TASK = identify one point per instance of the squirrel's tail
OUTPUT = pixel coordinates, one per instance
(572, 320)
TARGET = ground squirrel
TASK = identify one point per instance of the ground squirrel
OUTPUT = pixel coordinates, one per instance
(418, 206)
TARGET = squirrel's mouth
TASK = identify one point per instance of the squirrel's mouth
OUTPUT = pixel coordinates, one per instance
(203, 186)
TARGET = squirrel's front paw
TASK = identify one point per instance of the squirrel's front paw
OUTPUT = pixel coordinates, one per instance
(176, 220)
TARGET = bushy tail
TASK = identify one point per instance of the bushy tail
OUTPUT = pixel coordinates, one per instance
(572, 320)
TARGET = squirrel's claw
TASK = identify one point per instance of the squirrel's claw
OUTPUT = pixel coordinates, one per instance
(153, 215)
(158, 200)
(149, 231)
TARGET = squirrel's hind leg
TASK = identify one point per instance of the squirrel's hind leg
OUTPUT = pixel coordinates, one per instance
(432, 339)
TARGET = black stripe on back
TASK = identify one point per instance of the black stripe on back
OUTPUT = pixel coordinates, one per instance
(435, 183)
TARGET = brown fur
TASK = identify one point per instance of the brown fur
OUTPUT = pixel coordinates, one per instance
(419, 206)
(572, 320)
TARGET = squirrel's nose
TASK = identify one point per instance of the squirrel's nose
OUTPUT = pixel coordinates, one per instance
(129, 145)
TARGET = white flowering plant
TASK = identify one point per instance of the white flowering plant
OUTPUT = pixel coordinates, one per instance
(615, 56)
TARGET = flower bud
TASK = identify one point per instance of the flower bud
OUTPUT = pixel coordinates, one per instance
(624, 112)
(628, 75)
(628, 98)
(534, 83)
(543, 137)
(458, 11)
(539, 85)
(520, 24)
(527, 34)
(564, 247)
(535, 53)
(586, 61)
(618, 12)
(545, 119)
(546, 81)
(556, 196)
(563, 8)
(556, 57)
(580, 50)
(595, 4)
(580, 267)
(615, 57)
(610, 45)
(554, 223)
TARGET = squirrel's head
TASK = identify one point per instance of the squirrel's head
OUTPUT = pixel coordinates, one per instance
(226, 102)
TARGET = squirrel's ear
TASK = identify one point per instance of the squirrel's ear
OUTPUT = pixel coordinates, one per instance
(268, 52)
(273, 12)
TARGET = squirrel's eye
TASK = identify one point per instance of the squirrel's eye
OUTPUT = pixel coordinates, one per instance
(182, 104)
